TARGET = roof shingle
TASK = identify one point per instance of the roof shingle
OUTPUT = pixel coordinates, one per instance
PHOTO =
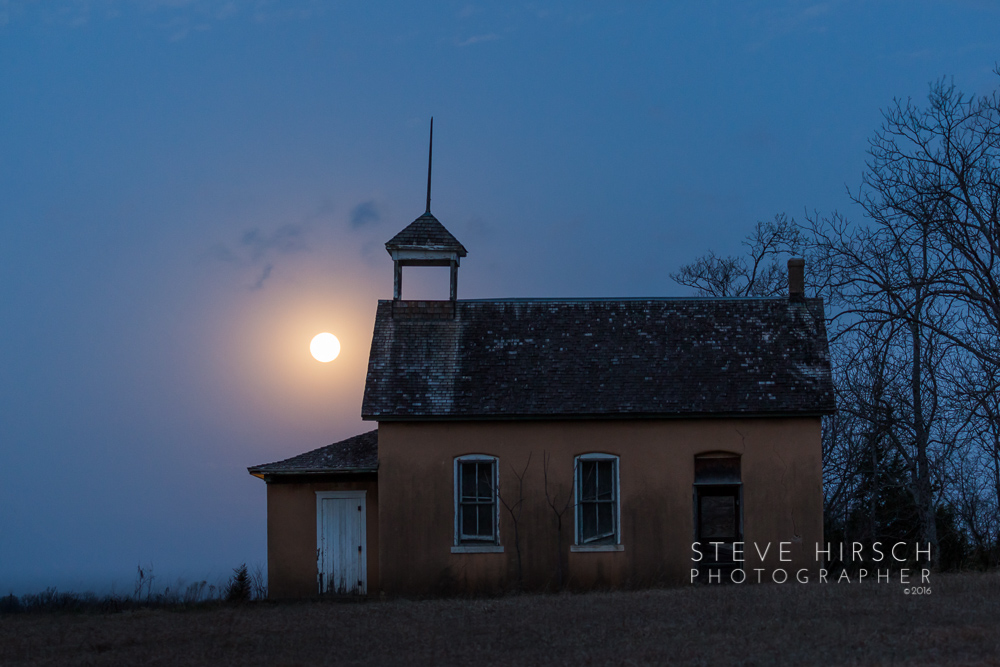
(356, 454)
(426, 233)
(599, 358)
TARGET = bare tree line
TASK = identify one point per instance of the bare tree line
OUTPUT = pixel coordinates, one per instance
(913, 299)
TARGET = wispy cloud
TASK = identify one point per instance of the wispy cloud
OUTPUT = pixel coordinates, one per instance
(364, 213)
(258, 250)
(264, 275)
(813, 11)
(776, 21)
(227, 10)
(221, 252)
(476, 39)
(177, 18)
(286, 239)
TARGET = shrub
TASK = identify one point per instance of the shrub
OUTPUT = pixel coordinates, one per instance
(239, 589)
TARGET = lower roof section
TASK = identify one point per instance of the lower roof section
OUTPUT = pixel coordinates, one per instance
(358, 454)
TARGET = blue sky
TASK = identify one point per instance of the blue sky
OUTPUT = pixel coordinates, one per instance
(191, 189)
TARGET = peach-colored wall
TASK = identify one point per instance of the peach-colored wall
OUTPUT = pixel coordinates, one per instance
(782, 498)
(291, 534)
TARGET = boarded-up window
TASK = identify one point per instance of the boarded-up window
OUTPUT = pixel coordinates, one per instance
(717, 502)
(717, 518)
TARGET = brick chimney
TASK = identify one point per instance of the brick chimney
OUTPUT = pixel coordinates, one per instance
(796, 279)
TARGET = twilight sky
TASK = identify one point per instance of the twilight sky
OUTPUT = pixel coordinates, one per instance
(191, 189)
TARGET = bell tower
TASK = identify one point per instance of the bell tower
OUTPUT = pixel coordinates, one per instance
(425, 242)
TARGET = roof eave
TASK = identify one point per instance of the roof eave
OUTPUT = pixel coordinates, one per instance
(458, 247)
(820, 412)
(261, 473)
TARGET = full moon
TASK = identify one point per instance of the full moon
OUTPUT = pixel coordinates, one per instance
(325, 347)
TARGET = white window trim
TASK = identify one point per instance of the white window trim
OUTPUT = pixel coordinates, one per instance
(583, 548)
(485, 548)
(477, 549)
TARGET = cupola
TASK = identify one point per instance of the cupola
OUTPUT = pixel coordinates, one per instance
(425, 242)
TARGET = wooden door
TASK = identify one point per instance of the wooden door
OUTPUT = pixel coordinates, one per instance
(340, 537)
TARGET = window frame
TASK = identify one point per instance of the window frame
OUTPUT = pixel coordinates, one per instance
(709, 485)
(616, 544)
(460, 545)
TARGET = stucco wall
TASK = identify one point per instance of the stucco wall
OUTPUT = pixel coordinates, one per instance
(291, 533)
(782, 499)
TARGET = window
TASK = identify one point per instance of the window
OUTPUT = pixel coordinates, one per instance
(597, 506)
(476, 510)
(718, 516)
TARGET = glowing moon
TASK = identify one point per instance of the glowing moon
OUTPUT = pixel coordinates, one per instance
(325, 347)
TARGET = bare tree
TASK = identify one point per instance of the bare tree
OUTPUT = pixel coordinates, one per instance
(932, 192)
(914, 298)
(883, 279)
(944, 158)
(978, 474)
(886, 449)
(559, 508)
(515, 507)
(758, 273)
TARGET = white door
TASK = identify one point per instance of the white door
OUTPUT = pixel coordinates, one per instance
(340, 541)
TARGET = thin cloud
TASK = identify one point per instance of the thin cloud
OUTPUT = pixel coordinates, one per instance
(258, 251)
(227, 10)
(476, 39)
(264, 275)
(364, 213)
(813, 11)
(776, 22)
(178, 19)
(285, 239)
(222, 253)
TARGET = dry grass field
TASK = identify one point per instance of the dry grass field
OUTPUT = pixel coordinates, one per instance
(793, 624)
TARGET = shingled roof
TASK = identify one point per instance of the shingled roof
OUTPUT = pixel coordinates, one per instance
(615, 358)
(357, 454)
(426, 233)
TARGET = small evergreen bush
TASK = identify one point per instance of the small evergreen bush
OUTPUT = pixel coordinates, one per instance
(239, 589)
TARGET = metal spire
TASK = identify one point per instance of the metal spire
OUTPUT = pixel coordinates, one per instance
(430, 153)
